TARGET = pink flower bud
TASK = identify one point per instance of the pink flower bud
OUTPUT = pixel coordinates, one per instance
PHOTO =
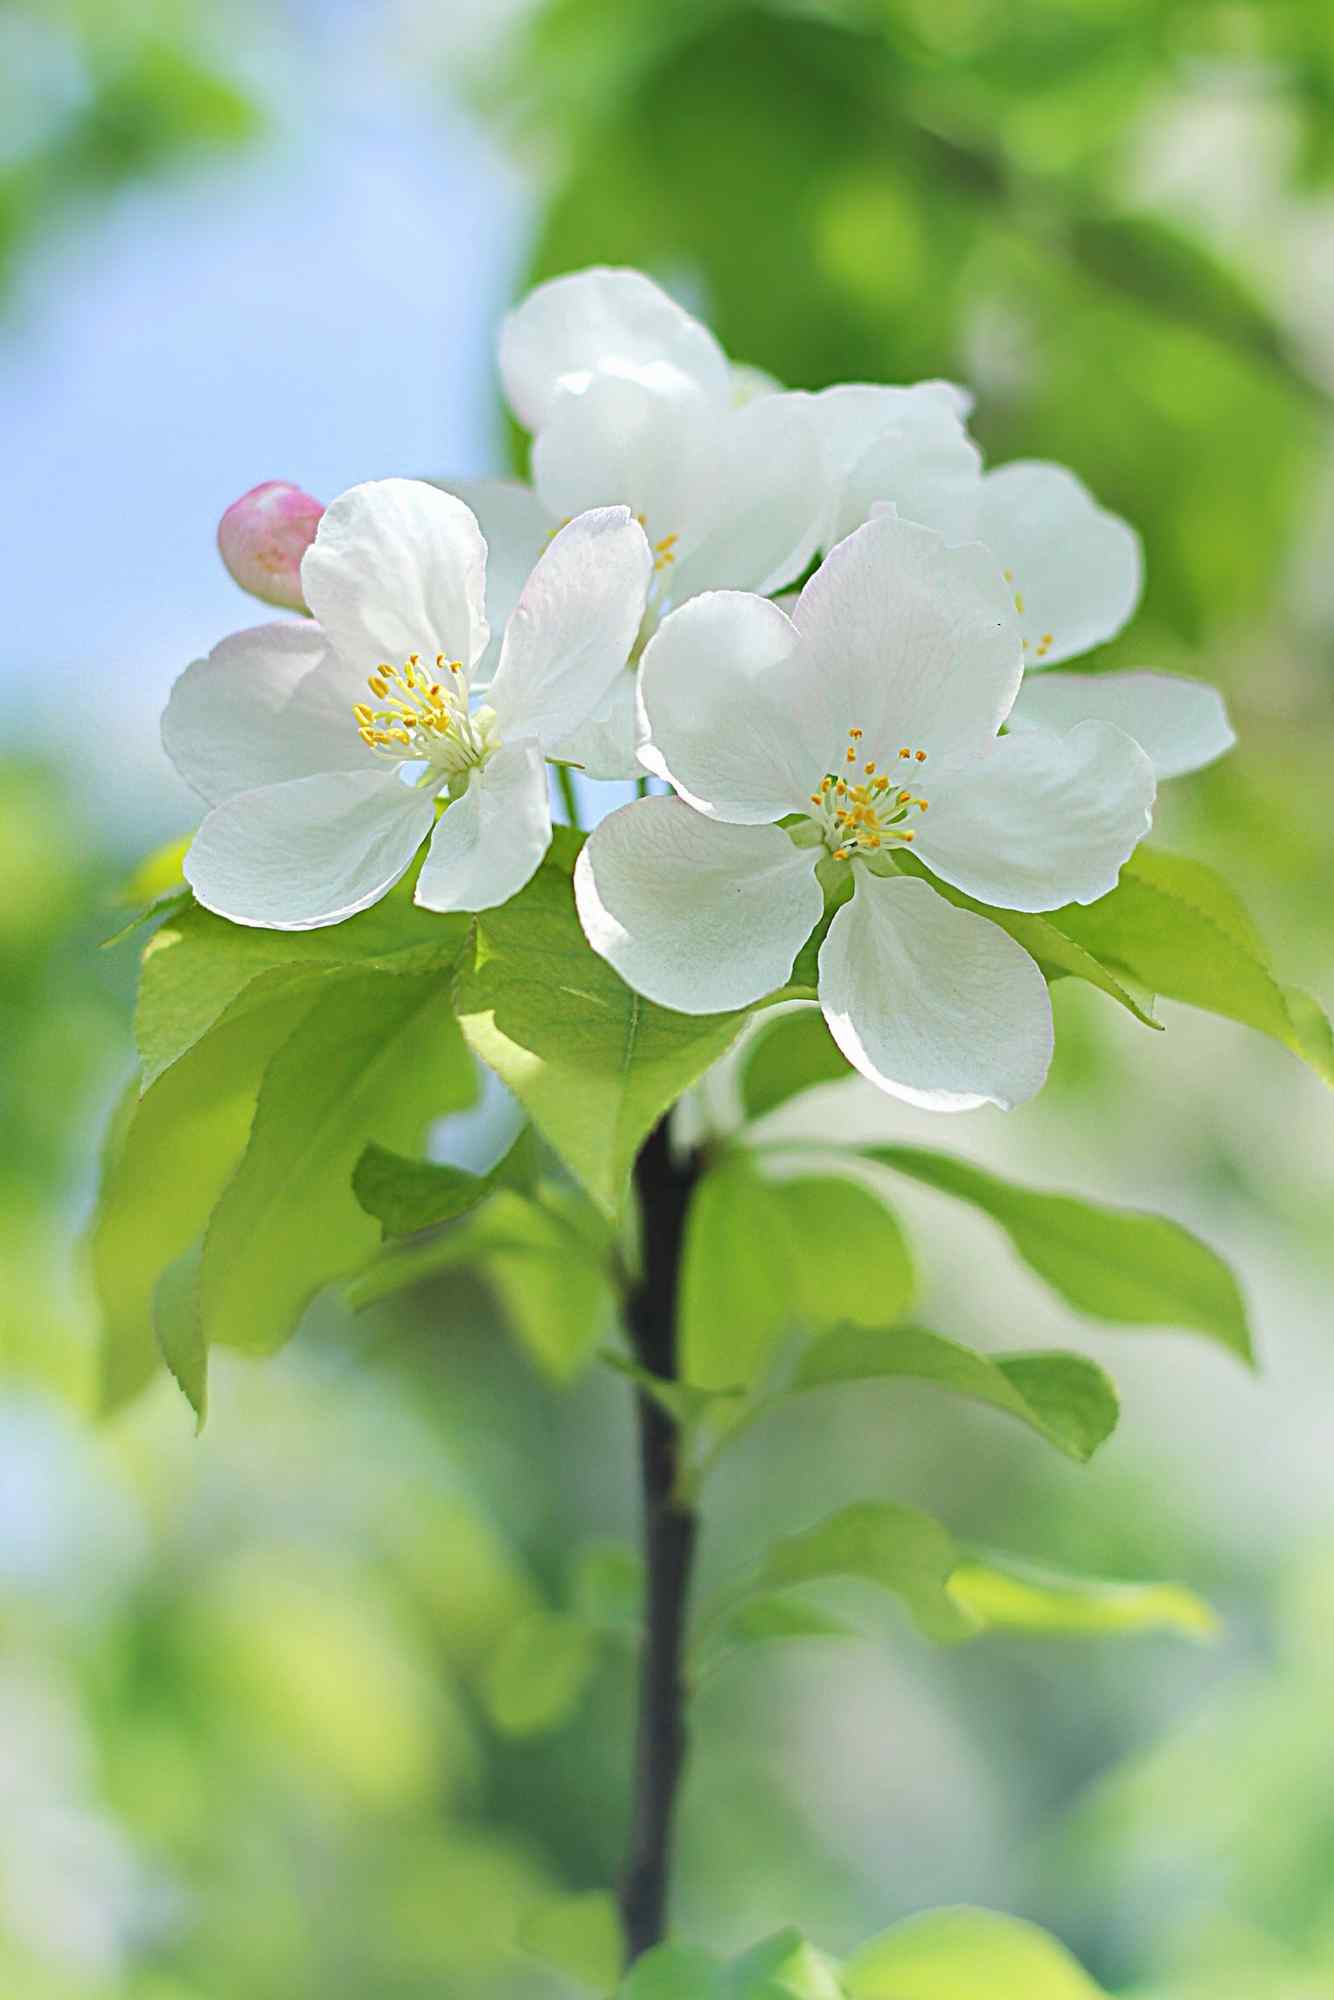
(262, 538)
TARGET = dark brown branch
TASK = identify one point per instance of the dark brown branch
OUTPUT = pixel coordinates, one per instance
(664, 1186)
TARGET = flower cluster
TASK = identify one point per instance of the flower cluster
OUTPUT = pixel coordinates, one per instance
(862, 763)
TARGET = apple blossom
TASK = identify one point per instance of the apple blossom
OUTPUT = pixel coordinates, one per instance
(631, 400)
(325, 748)
(262, 538)
(873, 715)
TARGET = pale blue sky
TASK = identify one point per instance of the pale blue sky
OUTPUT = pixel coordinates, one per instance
(320, 309)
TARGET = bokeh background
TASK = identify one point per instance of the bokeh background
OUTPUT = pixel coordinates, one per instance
(250, 1742)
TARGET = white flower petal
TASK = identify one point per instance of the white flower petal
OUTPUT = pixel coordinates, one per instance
(516, 528)
(919, 457)
(297, 856)
(606, 745)
(573, 627)
(601, 318)
(719, 697)
(1042, 819)
(696, 916)
(757, 507)
(253, 713)
(936, 1005)
(491, 841)
(398, 567)
(620, 441)
(1077, 570)
(909, 639)
(1181, 725)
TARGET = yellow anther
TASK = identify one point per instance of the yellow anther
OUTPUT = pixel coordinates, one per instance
(922, 805)
(1047, 638)
(840, 854)
(364, 715)
(817, 798)
(920, 755)
(1019, 602)
(905, 753)
(905, 798)
(1009, 575)
(869, 769)
(907, 836)
(378, 686)
(851, 755)
(856, 734)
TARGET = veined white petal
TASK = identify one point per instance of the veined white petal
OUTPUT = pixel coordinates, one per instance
(516, 528)
(912, 641)
(694, 915)
(572, 629)
(622, 441)
(297, 856)
(1077, 571)
(1041, 819)
(722, 704)
(756, 507)
(491, 841)
(1181, 725)
(398, 567)
(603, 317)
(238, 720)
(936, 1005)
(920, 459)
(606, 744)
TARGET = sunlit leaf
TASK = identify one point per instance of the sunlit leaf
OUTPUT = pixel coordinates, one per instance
(593, 1063)
(538, 1673)
(1177, 927)
(950, 1954)
(379, 1058)
(578, 1936)
(1115, 1263)
(1064, 1397)
(1001, 1590)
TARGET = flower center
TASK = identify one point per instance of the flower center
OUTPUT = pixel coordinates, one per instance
(1048, 639)
(426, 717)
(863, 809)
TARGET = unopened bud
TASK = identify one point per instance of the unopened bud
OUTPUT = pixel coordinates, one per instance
(262, 538)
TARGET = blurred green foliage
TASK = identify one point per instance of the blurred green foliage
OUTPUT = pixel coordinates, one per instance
(95, 96)
(268, 1710)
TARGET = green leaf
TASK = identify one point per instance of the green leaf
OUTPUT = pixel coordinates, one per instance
(735, 1300)
(951, 1593)
(675, 1972)
(784, 1967)
(578, 1936)
(1058, 955)
(595, 1065)
(171, 1154)
(198, 966)
(607, 1591)
(538, 1674)
(966, 1955)
(1115, 1263)
(376, 1058)
(408, 1195)
(785, 1055)
(1002, 1590)
(1064, 1397)
(764, 1255)
(877, 1542)
(180, 1336)
(1178, 928)
(558, 1298)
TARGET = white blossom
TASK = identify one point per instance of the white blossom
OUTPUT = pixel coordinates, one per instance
(327, 748)
(869, 723)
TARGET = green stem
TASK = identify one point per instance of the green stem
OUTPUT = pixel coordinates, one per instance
(565, 785)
